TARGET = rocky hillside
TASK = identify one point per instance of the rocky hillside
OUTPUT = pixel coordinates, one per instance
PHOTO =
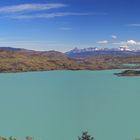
(14, 61)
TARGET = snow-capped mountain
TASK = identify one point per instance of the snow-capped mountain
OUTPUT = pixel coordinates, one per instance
(94, 51)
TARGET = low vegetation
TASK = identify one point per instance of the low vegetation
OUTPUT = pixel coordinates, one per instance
(85, 136)
(14, 138)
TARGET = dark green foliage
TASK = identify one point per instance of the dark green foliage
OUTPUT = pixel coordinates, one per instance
(129, 73)
(12, 138)
(85, 136)
(29, 138)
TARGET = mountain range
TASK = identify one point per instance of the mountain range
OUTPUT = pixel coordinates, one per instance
(92, 52)
(23, 60)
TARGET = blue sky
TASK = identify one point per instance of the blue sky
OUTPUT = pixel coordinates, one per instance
(64, 24)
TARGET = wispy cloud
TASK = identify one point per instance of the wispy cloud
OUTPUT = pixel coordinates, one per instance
(134, 25)
(51, 15)
(32, 11)
(30, 7)
(114, 37)
(128, 42)
(65, 28)
(102, 42)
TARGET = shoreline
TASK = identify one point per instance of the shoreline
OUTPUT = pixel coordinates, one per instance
(61, 70)
(128, 73)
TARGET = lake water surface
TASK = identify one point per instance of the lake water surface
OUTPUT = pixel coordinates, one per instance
(59, 105)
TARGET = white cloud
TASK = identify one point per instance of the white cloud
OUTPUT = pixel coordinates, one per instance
(128, 42)
(49, 15)
(133, 42)
(30, 7)
(103, 42)
(114, 37)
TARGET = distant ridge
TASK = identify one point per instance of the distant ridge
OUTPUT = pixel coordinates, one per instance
(13, 49)
(92, 52)
(77, 53)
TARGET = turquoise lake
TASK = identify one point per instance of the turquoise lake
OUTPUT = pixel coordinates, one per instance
(59, 105)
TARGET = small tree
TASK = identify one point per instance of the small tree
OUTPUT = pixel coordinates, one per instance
(12, 138)
(29, 138)
(85, 136)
